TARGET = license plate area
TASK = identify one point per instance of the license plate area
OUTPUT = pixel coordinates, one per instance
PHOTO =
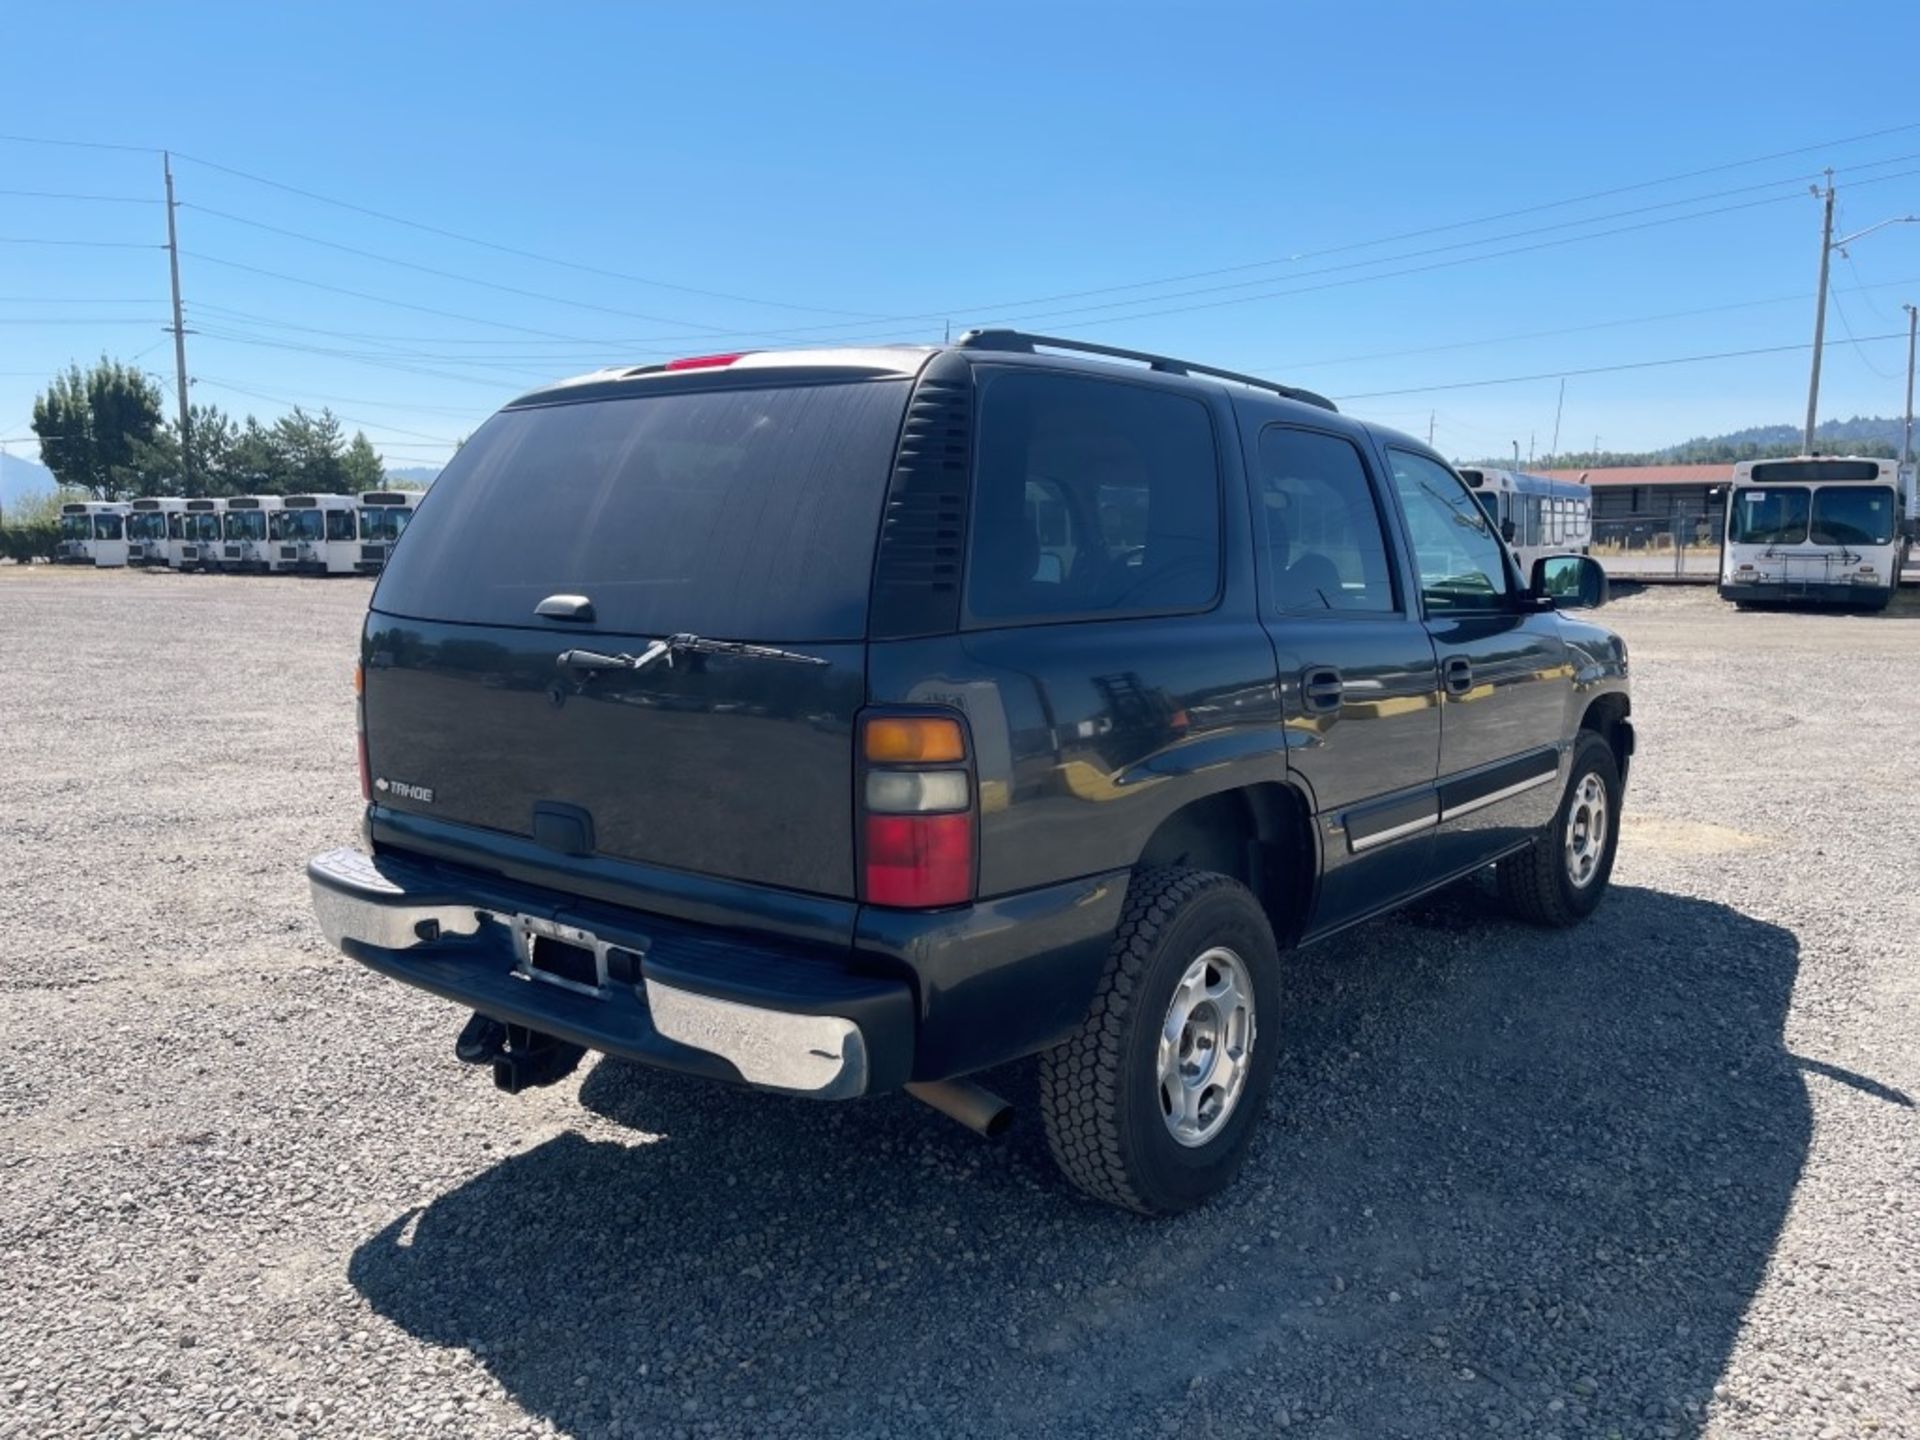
(556, 954)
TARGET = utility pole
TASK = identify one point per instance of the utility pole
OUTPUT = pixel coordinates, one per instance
(179, 334)
(1906, 434)
(1820, 313)
(1530, 436)
(1559, 405)
(1827, 246)
(1516, 454)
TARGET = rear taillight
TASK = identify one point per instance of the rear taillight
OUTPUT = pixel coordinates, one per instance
(360, 726)
(917, 812)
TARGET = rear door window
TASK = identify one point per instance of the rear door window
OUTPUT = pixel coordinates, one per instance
(1091, 498)
(1320, 529)
(741, 514)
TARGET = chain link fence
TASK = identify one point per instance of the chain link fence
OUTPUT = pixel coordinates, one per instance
(1682, 545)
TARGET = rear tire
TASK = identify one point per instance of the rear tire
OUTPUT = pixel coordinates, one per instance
(1151, 1106)
(1562, 876)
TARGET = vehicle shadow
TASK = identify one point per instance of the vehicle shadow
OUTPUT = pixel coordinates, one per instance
(1511, 1177)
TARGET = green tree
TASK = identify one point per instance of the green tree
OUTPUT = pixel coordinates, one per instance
(98, 430)
(256, 464)
(363, 466)
(311, 453)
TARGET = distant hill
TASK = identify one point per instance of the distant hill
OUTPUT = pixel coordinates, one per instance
(413, 476)
(1862, 435)
(22, 480)
(1861, 430)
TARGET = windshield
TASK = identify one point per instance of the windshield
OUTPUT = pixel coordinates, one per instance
(202, 525)
(747, 514)
(76, 527)
(1776, 515)
(383, 522)
(296, 524)
(246, 524)
(1853, 515)
(147, 525)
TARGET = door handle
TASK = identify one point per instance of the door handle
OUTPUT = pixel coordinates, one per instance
(1321, 690)
(1458, 673)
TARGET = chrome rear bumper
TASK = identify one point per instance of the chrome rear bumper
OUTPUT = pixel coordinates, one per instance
(473, 941)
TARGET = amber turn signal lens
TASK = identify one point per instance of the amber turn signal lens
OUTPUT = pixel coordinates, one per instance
(913, 739)
(359, 680)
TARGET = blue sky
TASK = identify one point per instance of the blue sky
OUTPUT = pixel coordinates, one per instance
(801, 172)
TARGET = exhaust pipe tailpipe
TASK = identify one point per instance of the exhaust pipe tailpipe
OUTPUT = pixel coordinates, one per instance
(974, 1106)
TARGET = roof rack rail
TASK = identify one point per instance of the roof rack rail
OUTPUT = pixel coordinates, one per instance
(1023, 343)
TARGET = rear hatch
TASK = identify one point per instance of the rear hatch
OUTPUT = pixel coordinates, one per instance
(738, 507)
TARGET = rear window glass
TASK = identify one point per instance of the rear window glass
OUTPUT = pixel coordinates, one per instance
(738, 514)
(1091, 497)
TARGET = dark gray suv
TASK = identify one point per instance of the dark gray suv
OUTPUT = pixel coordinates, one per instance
(840, 721)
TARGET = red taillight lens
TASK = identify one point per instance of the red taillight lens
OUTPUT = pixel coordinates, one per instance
(917, 861)
(704, 362)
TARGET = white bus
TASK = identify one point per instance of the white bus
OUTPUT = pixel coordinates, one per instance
(1535, 514)
(93, 532)
(383, 515)
(153, 530)
(315, 535)
(243, 533)
(199, 545)
(1822, 529)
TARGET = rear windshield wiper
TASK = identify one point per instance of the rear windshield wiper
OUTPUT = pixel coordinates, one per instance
(675, 645)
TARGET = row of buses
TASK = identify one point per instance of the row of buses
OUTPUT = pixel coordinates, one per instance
(264, 534)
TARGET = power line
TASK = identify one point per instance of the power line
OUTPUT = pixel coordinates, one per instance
(383, 299)
(1846, 327)
(1599, 369)
(1295, 366)
(1409, 270)
(79, 144)
(301, 405)
(452, 275)
(1082, 310)
(937, 315)
(82, 244)
(74, 195)
(1423, 233)
(37, 320)
(1176, 279)
(76, 300)
(378, 362)
(512, 250)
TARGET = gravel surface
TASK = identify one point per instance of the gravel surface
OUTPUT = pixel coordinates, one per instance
(1655, 1176)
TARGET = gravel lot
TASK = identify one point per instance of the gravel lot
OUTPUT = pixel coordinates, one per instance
(1652, 1177)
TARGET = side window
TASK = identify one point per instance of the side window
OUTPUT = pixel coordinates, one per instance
(1319, 527)
(339, 525)
(1461, 564)
(1091, 497)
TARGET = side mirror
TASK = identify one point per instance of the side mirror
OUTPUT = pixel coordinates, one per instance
(1507, 532)
(1575, 582)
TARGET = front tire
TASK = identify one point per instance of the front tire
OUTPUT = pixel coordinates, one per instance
(1562, 876)
(1152, 1104)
